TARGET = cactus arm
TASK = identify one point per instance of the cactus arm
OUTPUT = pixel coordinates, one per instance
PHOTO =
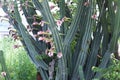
(113, 41)
(3, 65)
(26, 38)
(85, 45)
(74, 24)
(64, 12)
(92, 58)
(95, 45)
(57, 39)
(29, 12)
(81, 73)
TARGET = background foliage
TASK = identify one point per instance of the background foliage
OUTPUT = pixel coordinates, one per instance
(18, 63)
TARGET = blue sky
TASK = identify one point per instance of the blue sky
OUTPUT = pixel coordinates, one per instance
(3, 24)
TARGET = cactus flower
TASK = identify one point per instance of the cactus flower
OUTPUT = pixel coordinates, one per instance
(41, 38)
(86, 3)
(3, 74)
(51, 7)
(59, 23)
(16, 46)
(94, 16)
(40, 32)
(35, 23)
(50, 54)
(42, 23)
(59, 55)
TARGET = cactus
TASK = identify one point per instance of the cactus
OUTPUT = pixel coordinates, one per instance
(4, 71)
(94, 36)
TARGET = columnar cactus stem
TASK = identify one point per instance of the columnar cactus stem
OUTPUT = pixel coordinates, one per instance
(92, 31)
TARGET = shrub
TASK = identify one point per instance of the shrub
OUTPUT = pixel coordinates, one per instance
(18, 63)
